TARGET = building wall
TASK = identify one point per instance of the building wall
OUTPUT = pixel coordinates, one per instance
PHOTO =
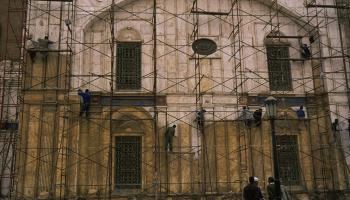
(231, 153)
(343, 105)
(60, 148)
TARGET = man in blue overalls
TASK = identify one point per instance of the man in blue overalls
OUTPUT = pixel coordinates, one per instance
(85, 98)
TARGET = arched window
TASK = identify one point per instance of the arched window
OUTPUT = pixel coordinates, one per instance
(128, 60)
(277, 50)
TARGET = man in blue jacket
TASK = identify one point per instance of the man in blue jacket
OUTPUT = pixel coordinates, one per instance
(301, 113)
(85, 99)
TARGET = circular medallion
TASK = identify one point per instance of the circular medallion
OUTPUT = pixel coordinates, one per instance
(204, 46)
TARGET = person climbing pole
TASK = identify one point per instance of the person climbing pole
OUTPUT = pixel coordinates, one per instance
(44, 45)
(88, 101)
(85, 98)
(305, 51)
(257, 117)
(169, 134)
(301, 112)
(200, 118)
(335, 125)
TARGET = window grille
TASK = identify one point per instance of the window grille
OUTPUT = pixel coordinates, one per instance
(288, 159)
(128, 162)
(128, 65)
(280, 76)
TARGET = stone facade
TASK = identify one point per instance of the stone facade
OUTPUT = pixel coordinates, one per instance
(62, 154)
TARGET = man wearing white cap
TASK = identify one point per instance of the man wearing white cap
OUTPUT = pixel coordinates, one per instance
(252, 191)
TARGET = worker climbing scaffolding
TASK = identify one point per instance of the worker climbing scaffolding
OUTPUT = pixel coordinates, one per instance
(305, 51)
(200, 118)
(169, 134)
(85, 100)
(257, 117)
(300, 113)
(208, 165)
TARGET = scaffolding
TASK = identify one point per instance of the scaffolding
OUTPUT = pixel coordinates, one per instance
(10, 81)
(74, 157)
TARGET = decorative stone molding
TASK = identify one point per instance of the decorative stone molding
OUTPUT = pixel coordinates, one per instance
(128, 34)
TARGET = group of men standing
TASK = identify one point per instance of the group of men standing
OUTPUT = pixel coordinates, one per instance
(253, 192)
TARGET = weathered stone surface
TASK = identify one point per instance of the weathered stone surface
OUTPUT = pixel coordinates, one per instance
(67, 155)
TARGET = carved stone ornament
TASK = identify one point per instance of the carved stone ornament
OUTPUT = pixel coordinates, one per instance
(128, 34)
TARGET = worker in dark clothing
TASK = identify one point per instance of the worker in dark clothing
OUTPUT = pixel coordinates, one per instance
(305, 51)
(44, 45)
(271, 188)
(252, 191)
(272, 193)
(312, 39)
(169, 134)
(335, 129)
(301, 113)
(257, 117)
(200, 118)
(81, 99)
(335, 125)
(85, 98)
(88, 101)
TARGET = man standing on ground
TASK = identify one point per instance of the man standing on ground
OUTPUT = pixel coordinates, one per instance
(271, 190)
(252, 191)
